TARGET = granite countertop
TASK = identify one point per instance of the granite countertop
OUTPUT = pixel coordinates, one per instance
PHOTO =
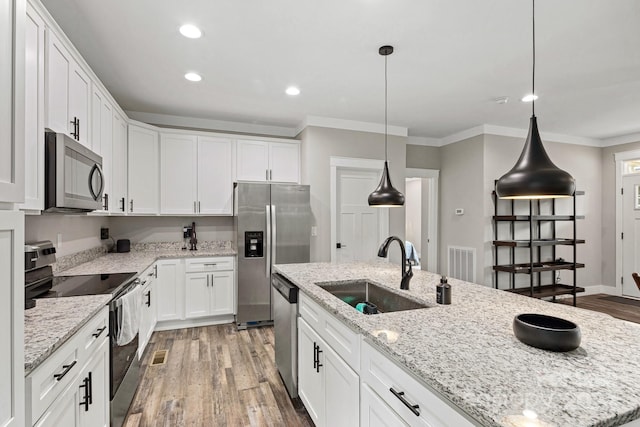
(140, 259)
(52, 322)
(468, 353)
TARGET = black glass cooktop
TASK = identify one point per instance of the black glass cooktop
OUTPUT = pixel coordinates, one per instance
(91, 284)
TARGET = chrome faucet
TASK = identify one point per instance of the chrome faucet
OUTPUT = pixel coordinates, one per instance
(406, 274)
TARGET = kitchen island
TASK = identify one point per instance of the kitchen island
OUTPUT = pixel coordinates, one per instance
(467, 352)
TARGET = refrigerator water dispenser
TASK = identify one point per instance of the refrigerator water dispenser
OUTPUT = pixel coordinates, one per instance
(253, 247)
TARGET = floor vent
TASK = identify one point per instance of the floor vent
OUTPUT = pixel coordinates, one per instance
(159, 357)
(462, 263)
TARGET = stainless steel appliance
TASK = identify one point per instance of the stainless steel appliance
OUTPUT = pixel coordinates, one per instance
(38, 274)
(73, 176)
(124, 366)
(285, 330)
(273, 226)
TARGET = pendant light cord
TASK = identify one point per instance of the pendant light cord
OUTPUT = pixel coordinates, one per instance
(533, 76)
(385, 108)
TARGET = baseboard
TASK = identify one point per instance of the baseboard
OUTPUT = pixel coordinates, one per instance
(599, 289)
(169, 325)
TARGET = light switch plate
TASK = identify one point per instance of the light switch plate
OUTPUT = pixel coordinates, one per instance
(314, 230)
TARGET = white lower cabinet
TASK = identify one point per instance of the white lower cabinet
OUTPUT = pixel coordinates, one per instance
(170, 289)
(374, 412)
(148, 314)
(71, 387)
(328, 387)
(209, 287)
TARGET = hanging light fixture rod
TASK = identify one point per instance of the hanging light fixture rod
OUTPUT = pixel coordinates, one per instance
(385, 195)
(534, 175)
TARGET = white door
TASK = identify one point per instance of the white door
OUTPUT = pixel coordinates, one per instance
(118, 169)
(631, 230)
(222, 293)
(253, 161)
(34, 111)
(358, 225)
(12, 395)
(96, 413)
(284, 162)
(197, 295)
(178, 163)
(310, 382)
(144, 169)
(101, 139)
(65, 411)
(375, 412)
(215, 176)
(79, 99)
(57, 76)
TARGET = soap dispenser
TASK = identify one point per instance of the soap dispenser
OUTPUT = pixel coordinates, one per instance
(443, 291)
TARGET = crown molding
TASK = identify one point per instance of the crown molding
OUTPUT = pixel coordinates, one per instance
(622, 139)
(424, 141)
(211, 124)
(329, 122)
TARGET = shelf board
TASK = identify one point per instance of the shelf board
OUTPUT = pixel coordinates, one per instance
(537, 242)
(577, 193)
(547, 290)
(537, 267)
(537, 217)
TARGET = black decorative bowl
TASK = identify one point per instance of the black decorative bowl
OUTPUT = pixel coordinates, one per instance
(546, 332)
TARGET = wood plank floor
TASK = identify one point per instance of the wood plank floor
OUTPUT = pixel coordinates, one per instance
(597, 302)
(214, 376)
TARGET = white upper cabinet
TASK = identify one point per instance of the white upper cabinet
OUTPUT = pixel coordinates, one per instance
(178, 174)
(268, 161)
(196, 175)
(12, 107)
(34, 111)
(102, 140)
(118, 167)
(144, 171)
(284, 162)
(68, 90)
(215, 176)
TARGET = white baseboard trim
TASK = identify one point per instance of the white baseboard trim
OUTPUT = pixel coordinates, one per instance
(599, 289)
(169, 325)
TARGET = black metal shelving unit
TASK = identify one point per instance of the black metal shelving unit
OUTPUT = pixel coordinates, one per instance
(540, 213)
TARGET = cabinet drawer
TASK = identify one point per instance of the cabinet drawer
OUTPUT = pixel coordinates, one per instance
(53, 376)
(343, 340)
(199, 265)
(382, 375)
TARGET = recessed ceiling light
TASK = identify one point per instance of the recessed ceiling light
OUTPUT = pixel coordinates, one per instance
(293, 91)
(190, 31)
(530, 97)
(194, 77)
(501, 100)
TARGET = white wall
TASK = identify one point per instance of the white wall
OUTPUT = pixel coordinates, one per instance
(78, 232)
(169, 229)
(318, 145)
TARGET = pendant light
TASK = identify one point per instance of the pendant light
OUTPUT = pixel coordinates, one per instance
(385, 195)
(535, 176)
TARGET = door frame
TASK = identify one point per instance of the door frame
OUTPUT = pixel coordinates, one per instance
(432, 232)
(620, 158)
(336, 163)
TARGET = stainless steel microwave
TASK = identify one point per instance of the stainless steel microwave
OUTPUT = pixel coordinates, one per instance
(74, 181)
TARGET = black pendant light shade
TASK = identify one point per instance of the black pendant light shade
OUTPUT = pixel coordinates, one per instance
(535, 176)
(386, 195)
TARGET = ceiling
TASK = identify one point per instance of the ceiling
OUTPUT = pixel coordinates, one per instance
(451, 60)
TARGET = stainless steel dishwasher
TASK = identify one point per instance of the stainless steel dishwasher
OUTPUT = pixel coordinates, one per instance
(284, 295)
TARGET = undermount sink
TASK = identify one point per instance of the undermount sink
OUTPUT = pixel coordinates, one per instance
(357, 291)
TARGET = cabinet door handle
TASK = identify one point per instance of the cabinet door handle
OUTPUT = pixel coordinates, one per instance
(207, 280)
(131, 206)
(270, 174)
(106, 202)
(78, 130)
(315, 355)
(99, 332)
(85, 399)
(400, 395)
(122, 204)
(148, 295)
(75, 134)
(66, 369)
(155, 271)
(90, 389)
(198, 206)
(318, 365)
(194, 207)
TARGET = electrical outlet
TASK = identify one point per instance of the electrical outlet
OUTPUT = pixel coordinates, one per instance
(104, 233)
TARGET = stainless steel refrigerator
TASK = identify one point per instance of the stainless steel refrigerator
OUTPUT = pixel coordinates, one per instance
(273, 226)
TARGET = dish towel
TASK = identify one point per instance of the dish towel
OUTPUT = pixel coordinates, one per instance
(412, 255)
(128, 316)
